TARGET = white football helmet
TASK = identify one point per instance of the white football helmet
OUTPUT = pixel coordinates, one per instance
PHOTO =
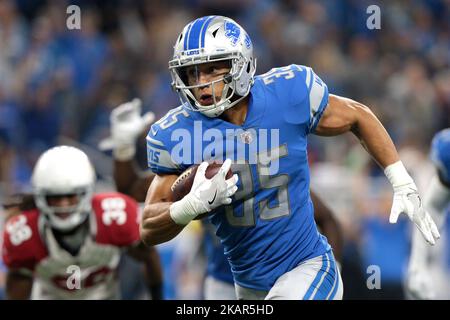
(208, 39)
(64, 170)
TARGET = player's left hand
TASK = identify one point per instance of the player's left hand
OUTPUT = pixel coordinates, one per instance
(407, 200)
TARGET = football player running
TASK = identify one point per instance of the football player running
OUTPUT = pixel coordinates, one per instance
(420, 284)
(263, 214)
(68, 245)
(127, 124)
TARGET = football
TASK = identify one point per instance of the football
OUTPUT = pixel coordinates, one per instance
(183, 184)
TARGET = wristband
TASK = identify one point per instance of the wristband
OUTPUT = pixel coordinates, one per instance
(397, 174)
(182, 212)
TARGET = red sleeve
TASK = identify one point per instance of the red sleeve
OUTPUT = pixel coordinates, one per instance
(22, 243)
(117, 217)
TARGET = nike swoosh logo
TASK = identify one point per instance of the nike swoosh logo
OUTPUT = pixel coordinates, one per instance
(211, 202)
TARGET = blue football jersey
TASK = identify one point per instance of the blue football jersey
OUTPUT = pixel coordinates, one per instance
(440, 154)
(269, 228)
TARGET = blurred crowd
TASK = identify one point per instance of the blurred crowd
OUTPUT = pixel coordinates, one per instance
(61, 85)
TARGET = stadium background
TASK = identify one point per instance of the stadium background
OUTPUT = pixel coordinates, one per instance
(59, 86)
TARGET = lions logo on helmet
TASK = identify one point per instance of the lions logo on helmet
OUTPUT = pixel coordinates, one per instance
(232, 31)
(209, 39)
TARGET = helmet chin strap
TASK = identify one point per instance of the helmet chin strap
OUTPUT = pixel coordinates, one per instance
(228, 78)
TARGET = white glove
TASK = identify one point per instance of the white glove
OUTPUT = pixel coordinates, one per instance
(205, 195)
(126, 126)
(407, 200)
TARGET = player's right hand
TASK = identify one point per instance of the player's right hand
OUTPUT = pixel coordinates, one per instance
(206, 194)
(419, 285)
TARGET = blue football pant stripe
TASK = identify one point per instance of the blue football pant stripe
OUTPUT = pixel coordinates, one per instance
(316, 278)
(336, 285)
(325, 288)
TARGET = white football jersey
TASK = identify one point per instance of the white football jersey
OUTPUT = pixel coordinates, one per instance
(92, 273)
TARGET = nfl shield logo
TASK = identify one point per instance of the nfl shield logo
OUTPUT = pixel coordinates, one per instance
(246, 137)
